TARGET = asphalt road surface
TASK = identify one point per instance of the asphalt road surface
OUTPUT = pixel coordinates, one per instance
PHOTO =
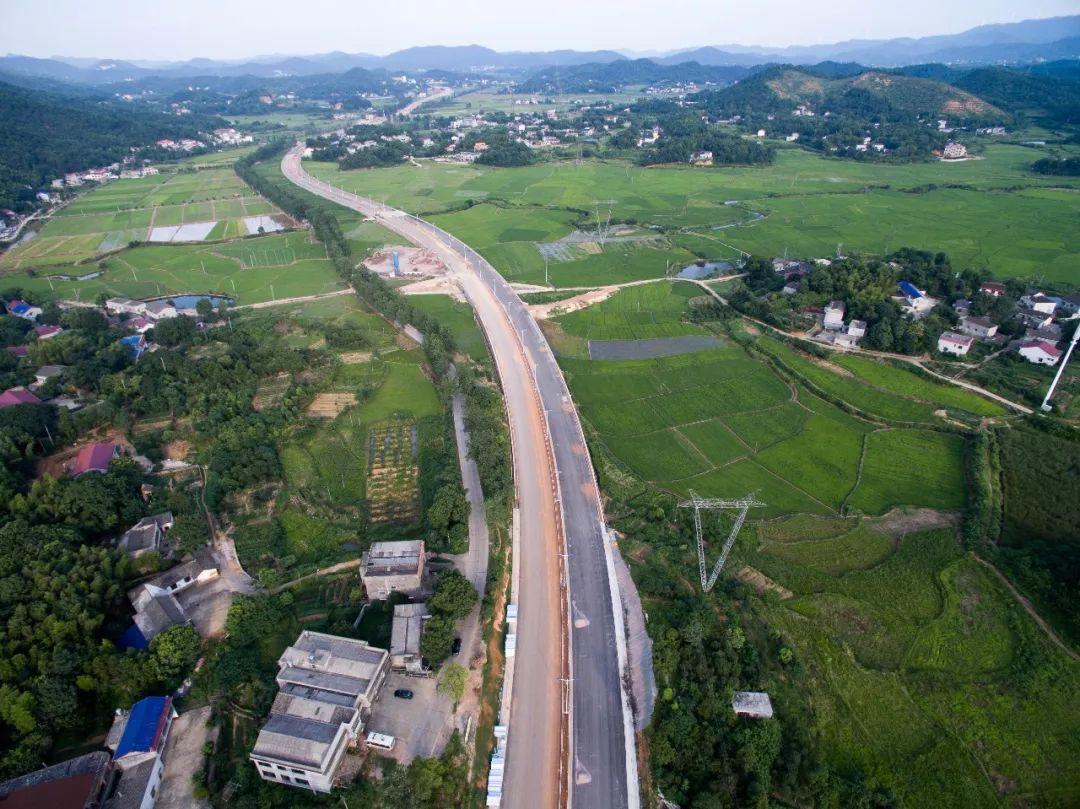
(556, 494)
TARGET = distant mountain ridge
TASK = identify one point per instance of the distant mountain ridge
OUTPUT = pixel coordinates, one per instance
(1026, 41)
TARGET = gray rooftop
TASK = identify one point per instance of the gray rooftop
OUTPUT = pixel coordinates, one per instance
(158, 613)
(132, 786)
(323, 680)
(407, 627)
(393, 558)
(294, 739)
(752, 703)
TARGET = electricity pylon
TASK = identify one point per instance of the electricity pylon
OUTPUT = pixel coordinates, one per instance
(714, 504)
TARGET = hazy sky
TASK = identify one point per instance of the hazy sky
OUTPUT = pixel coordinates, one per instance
(180, 29)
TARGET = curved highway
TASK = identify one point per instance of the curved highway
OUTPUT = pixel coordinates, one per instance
(570, 649)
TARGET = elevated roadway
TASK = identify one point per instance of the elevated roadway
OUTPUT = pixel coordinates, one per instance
(571, 737)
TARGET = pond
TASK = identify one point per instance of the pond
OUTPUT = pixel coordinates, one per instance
(189, 301)
(696, 272)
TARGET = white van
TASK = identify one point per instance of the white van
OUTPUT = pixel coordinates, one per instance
(380, 740)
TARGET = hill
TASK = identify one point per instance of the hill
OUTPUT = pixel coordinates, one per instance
(45, 135)
(782, 89)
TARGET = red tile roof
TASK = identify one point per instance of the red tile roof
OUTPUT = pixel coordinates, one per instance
(18, 396)
(93, 458)
(1049, 348)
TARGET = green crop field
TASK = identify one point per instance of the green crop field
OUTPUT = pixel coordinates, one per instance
(881, 390)
(458, 317)
(991, 212)
(108, 217)
(250, 271)
(636, 313)
(721, 422)
(907, 466)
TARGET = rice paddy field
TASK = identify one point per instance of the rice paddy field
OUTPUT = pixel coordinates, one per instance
(983, 213)
(723, 423)
(208, 205)
(249, 271)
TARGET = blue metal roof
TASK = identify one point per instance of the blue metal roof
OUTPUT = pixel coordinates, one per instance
(133, 638)
(144, 725)
(910, 289)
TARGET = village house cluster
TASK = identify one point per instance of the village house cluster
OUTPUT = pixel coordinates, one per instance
(134, 316)
(1043, 317)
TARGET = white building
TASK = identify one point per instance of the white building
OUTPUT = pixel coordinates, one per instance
(834, 315)
(1039, 352)
(326, 686)
(952, 343)
(954, 151)
(857, 328)
(980, 327)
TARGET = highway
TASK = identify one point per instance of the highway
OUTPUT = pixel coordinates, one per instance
(570, 648)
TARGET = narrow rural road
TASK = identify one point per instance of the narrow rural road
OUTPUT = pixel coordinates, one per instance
(1029, 608)
(571, 736)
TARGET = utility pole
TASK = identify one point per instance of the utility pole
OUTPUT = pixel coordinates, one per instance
(1061, 369)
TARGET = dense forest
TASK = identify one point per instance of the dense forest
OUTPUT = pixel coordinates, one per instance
(44, 136)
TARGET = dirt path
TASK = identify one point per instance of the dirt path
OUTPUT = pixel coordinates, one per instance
(1022, 600)
(299, 299)
(917, 361)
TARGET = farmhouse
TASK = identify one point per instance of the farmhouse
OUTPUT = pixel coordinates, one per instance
(137, 739)
(393, 567)
(994, 288)
(834, 315)
(20, 308)
(916, 302)
(124, 306)
(754, 704)
(962, 307)
(1039, 352)
(1040, 302)
(17, 396)
(405, 635)
(47, 332)
(79, 783)
(94, 458)
(147, 535)
(326, 685)
(857, 329)
(155, 602)
(952, 343)
(701, 159)
(1034, 319)
(980, 327)
(46, 372)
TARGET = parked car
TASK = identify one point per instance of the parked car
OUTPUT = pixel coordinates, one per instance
(455, 647)
(403, 693)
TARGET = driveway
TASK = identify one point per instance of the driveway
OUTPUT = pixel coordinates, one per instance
(184, 758)
(422, 725)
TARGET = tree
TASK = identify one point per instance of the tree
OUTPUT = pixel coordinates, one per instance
(189, 533)
(173, 655)
(453, 681)
(437, 639)
(454, 596)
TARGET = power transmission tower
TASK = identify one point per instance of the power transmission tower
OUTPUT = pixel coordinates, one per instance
(714, 504)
